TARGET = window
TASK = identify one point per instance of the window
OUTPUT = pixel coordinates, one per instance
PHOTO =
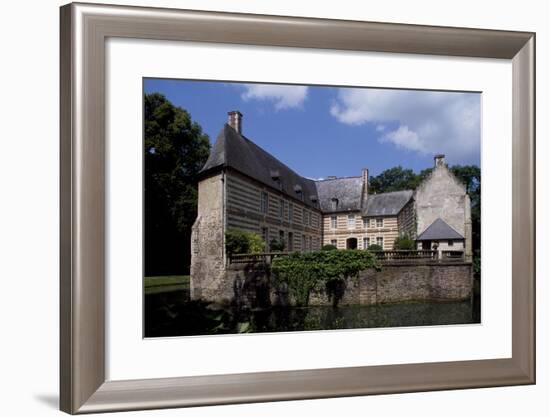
(303, 243)
(351, 221)
(306, 218)
(334, 203)
(380, 241)
(365, 222)
(282, 237)
(379, 222)
(334, 242)
(281, 209)
(450, 243)
(366, 242)
(333, 222)
(310, 243)
(264, 202)
(290, 241)
(290, 212)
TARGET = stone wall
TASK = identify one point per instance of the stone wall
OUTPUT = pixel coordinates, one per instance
(207, 237)
(252, 285)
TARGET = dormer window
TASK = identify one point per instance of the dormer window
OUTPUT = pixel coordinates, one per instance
(334, 203)
(298, 190)
(275, 175)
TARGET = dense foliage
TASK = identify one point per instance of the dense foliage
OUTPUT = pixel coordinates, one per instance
(175, 150)
(329, 247)
(302, 272)
(374, 248)
(404, 242)
(276, 245)
(241, 241)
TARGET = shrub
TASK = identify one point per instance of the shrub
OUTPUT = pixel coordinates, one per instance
(374, 248)
(276, 245)
(404, 242)
(241, 241)
(329, 247)
(303, 272)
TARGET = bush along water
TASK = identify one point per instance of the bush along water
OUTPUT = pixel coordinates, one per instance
(303, 272)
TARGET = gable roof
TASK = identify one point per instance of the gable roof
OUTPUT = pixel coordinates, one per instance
(346, 190)
(233, 150)
(439, 230)
(387, 204)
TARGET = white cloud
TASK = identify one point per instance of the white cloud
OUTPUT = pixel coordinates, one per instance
(427, 121)
(282, 96)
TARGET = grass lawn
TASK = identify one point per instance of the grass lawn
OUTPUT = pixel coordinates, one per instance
(166, 283)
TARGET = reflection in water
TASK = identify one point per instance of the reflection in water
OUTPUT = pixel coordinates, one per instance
(171, 314)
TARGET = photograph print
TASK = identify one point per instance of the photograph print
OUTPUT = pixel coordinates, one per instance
(281, 208)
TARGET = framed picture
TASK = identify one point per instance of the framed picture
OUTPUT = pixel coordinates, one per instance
(288, 226)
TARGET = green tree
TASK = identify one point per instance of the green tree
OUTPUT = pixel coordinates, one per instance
(470, 175)
(175, 150)
(241, 241)
(394, 179)
(404, 242)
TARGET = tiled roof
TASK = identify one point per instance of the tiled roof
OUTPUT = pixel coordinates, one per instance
(439, 230)
(347, 192)
(233, 150)
(387, 204)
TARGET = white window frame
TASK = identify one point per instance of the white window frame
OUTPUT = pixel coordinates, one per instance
(334, 222)
(264, 202)
(380, 222)
(380, 241)
(366, 242)
(351, 217)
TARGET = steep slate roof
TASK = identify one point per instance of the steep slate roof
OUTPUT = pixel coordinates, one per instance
(347, 190)
(235, 151)
(439, 230)
(387, 204)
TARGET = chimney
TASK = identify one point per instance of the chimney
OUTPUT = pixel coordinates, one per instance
(439, 160)
(365, 189)
(235, 120)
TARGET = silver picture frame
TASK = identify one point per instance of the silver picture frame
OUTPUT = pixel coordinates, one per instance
(83, 34)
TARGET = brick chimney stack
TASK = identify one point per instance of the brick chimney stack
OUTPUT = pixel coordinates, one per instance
(235, 120)
(439, 160)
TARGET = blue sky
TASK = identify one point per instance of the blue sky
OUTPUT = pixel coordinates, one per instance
(320, 131)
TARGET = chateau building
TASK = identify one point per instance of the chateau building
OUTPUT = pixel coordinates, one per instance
(244, 187)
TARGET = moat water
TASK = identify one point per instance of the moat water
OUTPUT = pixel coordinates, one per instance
(172, 314)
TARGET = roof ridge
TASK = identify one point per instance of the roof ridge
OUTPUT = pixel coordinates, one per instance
(338, 178)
